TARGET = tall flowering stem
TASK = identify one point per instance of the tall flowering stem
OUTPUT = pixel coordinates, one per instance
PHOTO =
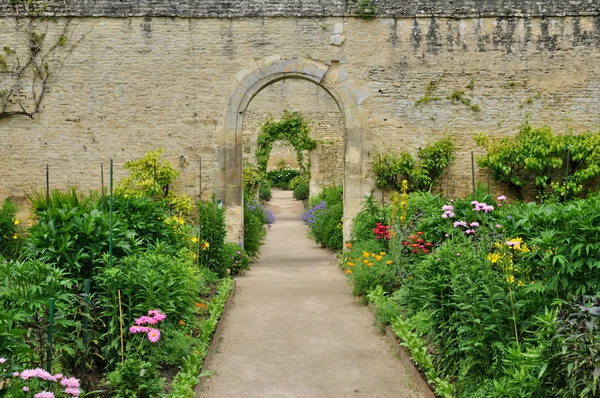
(404, 201)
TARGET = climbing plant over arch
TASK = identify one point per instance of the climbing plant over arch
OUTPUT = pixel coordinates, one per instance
(292, 128)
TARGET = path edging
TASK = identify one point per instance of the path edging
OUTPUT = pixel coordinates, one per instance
(216, 336)
(405, 358)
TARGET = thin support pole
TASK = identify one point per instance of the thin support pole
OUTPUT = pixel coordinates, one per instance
(121, 329)
(85, 326)
(49, 353)
(102, 180)
(473, 172)
(200, 175)
(489, 176)
(47, 186)
(110, 232)
(567, 175)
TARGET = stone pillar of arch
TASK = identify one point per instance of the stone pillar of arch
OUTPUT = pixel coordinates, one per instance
(229, 141)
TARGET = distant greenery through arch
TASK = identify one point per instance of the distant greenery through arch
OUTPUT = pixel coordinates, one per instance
(292, 128)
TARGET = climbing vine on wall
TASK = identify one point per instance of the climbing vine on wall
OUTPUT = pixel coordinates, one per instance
(26, 70)
(291, 128)
(391, 168)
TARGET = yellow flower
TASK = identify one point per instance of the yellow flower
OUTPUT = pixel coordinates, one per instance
(378, 258)
(181, 220)
(373, 254)
(366, 261)
(17, 221)
(382, 253)
(510, 279)
(167, 221)
(205, 245)
(348, 272)
(493, 257)
(520, 283)
(365, 254)
(370, 264)
(194, 239)
(389, 262)
(350, 264)
(15, 236)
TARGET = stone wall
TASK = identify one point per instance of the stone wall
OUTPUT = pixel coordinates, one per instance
(135, 84)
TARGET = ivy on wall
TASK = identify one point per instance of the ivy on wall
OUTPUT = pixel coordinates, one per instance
(291, 128)
(391, 168)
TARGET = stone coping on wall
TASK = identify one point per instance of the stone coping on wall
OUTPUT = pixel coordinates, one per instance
(307, 8)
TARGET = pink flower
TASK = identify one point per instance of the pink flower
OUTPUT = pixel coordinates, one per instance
(498, 226)
(447, 208)
(58, 376)
(447, 235)
(469, 231)
(16, 374)
(501, 198)
(37, 372)
(160, 317)
(143, 320)
(154, 335)
(139, 329)
(474, 224)
(451, 215)
(460, 224)
(445, 215)
(2, 360)
(72, 391)
(474, 203)
(44, 394)
(25, 388)
(70, 382)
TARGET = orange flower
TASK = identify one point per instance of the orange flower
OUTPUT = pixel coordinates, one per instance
(378, 258)
(366, 261)
(389, 262)
(197, 305)
(350, 264)
(370, 264)
(348, 245)
(382, 253)
(348, 272)
(181, 322)
(365, 254)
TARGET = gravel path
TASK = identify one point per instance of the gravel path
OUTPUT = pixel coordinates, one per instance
(294, 329)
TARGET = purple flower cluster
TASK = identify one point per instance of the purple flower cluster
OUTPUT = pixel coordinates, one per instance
(448, 211)
(482, 207)
(270, 217)
(310, 216)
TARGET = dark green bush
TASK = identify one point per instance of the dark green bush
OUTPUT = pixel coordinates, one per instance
(255, 219)
(211, 235)
(301, 191)
(264, 192)
(234, 257)
(325, 217)
(10, 240)
(281, 177)
(136, 378)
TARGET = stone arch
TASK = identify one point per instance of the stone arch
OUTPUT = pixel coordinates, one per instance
(334, 80)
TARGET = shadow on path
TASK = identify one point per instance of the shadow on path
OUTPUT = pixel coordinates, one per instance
(294, 329)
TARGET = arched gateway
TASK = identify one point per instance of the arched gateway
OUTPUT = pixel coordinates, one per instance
(333, 79)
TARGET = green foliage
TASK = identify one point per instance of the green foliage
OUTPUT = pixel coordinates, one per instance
(152, 177)
(211, 235)
(264, 192)
(10, 240)
(25, 291)
(301, 191)
(365, 220)
(252, 179)
(365, 9)
(430, 88)
(299, 179)
(282, 176)
(136, 378)
(291, 127)
(390, 169)
(149, 280)
(255, 219)
(185, 381)
(325, 217)
(234, 258)
(537, 158)
(458, 96)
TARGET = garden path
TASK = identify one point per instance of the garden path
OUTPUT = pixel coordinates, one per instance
(294, 329)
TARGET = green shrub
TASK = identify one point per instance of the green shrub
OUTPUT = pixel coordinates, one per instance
(324, 217)
(151, 280)
(255, 219)
(10, 239)
(301, 179)
(301, 191)
(281, 177)
(136, 378)
(264, 192)
(234, 257)
(211, 235)
(365, 220)
(152, 177)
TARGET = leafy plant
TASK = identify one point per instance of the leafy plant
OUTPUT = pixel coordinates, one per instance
(152, 177)
(136, 378)
(301, 191)
(255, 219)
(291, 127)
(211, 235)
(390, 169)
(10, 239)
